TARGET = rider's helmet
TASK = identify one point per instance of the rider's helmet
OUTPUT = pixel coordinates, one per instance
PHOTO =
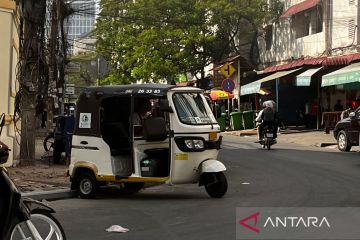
(269, 104)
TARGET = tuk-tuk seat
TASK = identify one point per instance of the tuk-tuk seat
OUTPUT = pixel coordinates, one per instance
(154, 129)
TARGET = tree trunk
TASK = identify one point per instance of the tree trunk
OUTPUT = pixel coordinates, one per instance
(33, 15)
(28, 116)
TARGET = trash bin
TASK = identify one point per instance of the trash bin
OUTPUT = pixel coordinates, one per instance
(221, 122)
(236, 120)
(248, 117)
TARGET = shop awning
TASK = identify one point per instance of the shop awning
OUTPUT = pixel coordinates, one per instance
(348, 74)
(300, 7)
(255, 87)
(304, 79)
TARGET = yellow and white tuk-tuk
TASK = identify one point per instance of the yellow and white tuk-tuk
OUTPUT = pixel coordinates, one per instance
(176, 143)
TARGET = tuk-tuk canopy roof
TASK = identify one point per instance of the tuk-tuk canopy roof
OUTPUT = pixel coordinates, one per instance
(131, 89)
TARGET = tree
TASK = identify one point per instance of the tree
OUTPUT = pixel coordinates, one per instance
(87, 74)
(152, 40)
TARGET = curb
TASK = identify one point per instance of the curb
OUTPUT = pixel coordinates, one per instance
(327, 144)
(51, 195)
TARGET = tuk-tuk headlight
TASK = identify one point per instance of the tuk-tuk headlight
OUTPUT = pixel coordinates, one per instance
(191, 144)
(194, 144)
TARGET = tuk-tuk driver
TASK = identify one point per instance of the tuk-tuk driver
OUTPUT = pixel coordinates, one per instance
(143, 111)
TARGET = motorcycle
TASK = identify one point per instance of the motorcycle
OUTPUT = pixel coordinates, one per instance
(54, 140)
(20, 217)
(268, 138)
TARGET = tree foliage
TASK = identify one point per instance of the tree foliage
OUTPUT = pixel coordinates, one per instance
(152, 40)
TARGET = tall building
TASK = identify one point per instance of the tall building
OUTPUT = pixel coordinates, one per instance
(81, 21)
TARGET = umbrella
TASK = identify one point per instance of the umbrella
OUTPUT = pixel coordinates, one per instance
(220, 95)
(264, 91)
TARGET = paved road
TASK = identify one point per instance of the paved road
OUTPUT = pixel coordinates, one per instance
(286, 176)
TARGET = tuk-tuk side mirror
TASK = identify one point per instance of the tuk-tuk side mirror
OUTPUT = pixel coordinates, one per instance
(164, 106)
(2, 122)
(352, 115)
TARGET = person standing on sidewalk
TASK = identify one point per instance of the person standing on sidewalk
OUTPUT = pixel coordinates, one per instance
(69, 126)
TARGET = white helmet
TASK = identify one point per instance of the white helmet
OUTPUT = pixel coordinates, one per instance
(269, 103)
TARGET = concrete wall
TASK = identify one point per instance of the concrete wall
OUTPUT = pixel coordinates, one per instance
(9, 49)
(342, 13)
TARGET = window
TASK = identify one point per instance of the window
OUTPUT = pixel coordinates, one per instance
(308, 22)
(317, 20)
(301, 24)
(192, 109)
(351, 29)
(268, 36)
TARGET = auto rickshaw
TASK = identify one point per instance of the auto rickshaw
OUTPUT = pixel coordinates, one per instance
(177, 144)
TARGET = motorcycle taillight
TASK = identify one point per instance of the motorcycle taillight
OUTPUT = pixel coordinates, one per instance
(4, 153)
(3, 147)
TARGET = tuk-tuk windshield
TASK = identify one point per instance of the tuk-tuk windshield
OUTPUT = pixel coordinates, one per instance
(193, 109)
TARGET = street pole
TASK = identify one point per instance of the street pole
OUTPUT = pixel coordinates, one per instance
(98, 70)
(277, 94)
(358, 26)
(239, 80)
(53, 70)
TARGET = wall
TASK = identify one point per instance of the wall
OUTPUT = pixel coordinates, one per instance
(343, 12)
(9, 49)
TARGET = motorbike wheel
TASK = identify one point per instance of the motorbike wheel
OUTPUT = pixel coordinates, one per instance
(49, 142)
(218, 187)
(268, 145)
(87, 185)
(41, 222)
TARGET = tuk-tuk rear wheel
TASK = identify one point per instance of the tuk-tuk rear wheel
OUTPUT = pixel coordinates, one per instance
(87, 185)
(218, 185)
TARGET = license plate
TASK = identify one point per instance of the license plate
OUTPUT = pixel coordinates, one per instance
(213, 136)
(269, 135)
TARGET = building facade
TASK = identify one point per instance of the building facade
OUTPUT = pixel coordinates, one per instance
(311, 38)
(9, 49)
(308, 28)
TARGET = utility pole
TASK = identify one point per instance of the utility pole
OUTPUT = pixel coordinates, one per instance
(358, 25)
(98, 70)
(53, 71)
(327, 18)
(239, 81)
(33, 14)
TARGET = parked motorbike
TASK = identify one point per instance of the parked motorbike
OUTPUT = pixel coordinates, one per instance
(268, 138)
(49, 142)
(23, 218)
(54, 140)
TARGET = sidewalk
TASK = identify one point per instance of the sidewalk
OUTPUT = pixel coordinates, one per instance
(45, 180)
(43, 176)
(304, 137)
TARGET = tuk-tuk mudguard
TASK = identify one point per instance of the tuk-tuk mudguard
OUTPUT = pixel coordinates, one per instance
(212, 165)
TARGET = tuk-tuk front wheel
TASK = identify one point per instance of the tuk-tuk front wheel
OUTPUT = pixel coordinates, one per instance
(87, 185)
(217, 185)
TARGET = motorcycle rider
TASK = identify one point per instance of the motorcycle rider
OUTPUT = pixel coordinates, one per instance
(267, 117)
